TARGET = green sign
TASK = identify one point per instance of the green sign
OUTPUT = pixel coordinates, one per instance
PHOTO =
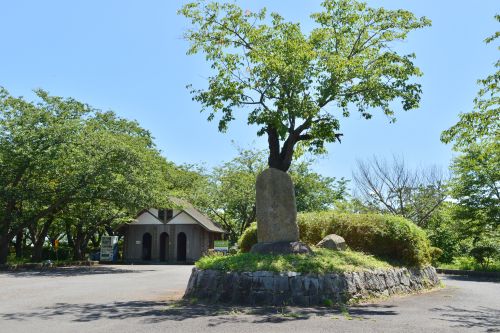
(221, 245)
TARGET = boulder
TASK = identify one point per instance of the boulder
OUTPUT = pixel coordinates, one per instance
(333, 242)
(281, 248)
(276, 211)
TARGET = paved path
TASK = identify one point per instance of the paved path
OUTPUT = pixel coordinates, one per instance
(139, 299)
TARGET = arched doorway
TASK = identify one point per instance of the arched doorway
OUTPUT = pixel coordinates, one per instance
(146, 246)
(163, 246)
(181, 246)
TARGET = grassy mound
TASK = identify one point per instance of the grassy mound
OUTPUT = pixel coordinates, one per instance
(321, 261)
(386, 236)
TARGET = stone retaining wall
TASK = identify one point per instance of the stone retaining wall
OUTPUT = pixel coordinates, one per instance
(269, 288)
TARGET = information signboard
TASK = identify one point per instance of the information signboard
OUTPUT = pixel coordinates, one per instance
(109, 248)
(221, 245)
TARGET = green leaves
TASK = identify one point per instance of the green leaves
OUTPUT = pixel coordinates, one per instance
(59, 155)
(483, 122)
(475, 185)
(285, 78)
(476, 171)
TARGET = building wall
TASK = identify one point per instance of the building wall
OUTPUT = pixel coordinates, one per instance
(197, 241)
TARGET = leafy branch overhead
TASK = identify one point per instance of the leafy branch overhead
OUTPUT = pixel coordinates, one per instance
(294, 85)
(483, 122)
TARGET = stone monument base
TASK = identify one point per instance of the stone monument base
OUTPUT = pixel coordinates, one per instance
(291, 288)
(283, 247)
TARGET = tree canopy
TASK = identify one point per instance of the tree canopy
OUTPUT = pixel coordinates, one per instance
(59, 154)
(483, 122)
(295, 86)
(476, 170)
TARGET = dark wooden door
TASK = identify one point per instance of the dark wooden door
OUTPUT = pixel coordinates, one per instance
(181, 246)
(146, 246)
(164, 246)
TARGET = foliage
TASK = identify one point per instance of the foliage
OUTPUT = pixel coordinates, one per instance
(476, 171)
(57, 154)
(436, 254)
(233, 190)
(227, 192)
(483, 255)
(484, 120)
(288, 79)
(391, 187)
(386, 236)
(321, 261)
(476, 177)
(314, 192)
(248, 238)
(444, 232)
(468, 263)
(390, 237)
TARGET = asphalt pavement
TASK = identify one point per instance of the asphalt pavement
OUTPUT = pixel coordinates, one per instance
(133, 298)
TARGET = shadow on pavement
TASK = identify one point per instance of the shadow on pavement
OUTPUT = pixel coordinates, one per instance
(70, 271)
(159, 311)
(481, 317)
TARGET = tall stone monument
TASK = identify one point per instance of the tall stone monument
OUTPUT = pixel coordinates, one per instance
(277, 229)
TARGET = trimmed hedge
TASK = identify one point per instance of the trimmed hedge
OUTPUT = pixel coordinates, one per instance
(248, 238)
(388, 237)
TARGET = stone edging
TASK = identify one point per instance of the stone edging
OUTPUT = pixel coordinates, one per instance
(270, 288)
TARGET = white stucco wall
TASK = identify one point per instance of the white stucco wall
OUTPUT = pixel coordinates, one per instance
(182, 218)
(146, 218)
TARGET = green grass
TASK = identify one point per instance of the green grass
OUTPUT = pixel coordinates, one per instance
(321, 261)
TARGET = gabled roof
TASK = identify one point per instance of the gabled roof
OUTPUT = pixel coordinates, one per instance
(199, 217)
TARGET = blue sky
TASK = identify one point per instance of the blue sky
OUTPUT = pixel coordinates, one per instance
(129, 57)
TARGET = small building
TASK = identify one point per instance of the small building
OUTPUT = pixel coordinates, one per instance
(179, 235)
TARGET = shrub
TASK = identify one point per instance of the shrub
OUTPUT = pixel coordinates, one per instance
(436, 254)
(248, 238)
(387, 236)
(470, 264)
(483, 254)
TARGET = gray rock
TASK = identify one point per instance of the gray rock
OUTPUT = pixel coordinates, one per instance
(333, 242)
(281, 248)
(275, 207)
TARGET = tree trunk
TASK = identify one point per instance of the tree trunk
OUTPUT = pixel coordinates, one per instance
(36, 255)
(79, 249)
(77, 252)
(39, 239)
(280, 159)
(78, 244)
(4, 247)
(19, 243)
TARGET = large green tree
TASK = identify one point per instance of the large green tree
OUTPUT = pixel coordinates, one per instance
(60, 153)
(295, 85)
(476, 187)
(483, 122)
(476, 170)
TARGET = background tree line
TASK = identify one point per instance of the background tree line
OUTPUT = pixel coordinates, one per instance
(72, 173)
(69, 170)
